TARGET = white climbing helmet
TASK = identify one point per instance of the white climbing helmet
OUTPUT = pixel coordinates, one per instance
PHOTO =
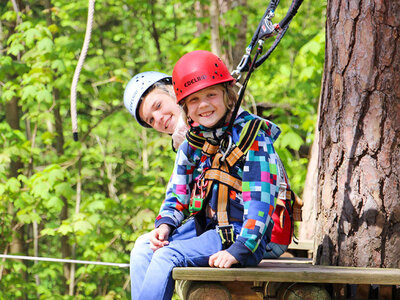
(136, 88)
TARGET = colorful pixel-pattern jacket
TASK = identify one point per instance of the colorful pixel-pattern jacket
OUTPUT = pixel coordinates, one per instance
(260, 186)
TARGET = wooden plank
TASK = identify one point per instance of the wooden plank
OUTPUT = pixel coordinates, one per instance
(294, 260)
(362, 291)
(386, 292)
(279, 271)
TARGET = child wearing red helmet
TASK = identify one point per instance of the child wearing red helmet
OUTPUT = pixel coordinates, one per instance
(244, 171)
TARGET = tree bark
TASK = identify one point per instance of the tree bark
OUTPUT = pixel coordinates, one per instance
(17, 245)
(359, 155)
(307, 226)
(214, 26)
(199, 10)
(239, 48)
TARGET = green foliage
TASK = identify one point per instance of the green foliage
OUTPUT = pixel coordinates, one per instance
(113, 180)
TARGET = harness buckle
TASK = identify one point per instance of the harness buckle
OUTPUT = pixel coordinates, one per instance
(227, 234)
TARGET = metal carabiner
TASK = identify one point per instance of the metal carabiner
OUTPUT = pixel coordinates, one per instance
(224, 153)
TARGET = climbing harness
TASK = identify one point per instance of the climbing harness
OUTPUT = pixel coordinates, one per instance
(220, 174)
(78, 69)
(288, 203)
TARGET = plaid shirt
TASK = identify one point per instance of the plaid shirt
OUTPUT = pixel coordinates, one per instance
(260, 186)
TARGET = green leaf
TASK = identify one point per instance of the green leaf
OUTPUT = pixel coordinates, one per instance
(2, 189)
(41, 189)
(58, 65)
(292, 140)
(55, 175)
(28, 217)
(8, 95)
(54, 202)
(15, 49)
(45, 45)
(82, 226)
(29, 91)
(48, 231)
(307, 73)
(10, 16)
(64, 189)
(95, 205)
(13, 185)
(64, 229)
(30, 35)
(44, 95)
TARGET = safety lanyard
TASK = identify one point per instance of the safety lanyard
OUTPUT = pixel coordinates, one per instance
(264, 31)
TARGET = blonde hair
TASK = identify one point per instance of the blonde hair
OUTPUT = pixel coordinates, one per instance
(230, 99)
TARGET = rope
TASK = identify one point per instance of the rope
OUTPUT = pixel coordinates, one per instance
(72, 261)
(78, 69)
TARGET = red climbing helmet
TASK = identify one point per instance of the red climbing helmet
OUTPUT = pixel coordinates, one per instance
(198, 70)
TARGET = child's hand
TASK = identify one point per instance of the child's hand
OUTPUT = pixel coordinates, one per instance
(159, 237)
(222, 259)
(179, 134)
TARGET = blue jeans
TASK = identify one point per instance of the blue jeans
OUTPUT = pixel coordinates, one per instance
(151, 272)
(274, 250)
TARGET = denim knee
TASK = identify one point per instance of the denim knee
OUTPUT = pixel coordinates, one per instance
(274, 250)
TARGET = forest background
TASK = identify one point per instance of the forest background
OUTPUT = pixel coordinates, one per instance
(91, 199)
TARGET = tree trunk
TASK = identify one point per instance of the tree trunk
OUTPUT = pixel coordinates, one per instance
(59, 145)
(214, 26)
(17, 245)
(359, 156)
(307, 226)
(199, 11)
(239, 48)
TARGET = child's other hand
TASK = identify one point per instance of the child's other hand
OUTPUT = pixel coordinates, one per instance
(222, 259)
(159, 237)
(179, 134)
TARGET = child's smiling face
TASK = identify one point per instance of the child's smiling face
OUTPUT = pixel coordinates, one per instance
(207, 106)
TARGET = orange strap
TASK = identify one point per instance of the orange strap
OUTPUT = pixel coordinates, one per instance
(209, 149)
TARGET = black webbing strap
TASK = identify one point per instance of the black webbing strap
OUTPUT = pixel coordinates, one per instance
(247, 138)
(195, 140)
(250, 130)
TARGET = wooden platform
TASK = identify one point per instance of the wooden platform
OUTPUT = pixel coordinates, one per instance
(292, 270)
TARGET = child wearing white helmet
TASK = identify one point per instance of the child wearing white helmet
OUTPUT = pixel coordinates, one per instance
(220, 234)
(150, 99)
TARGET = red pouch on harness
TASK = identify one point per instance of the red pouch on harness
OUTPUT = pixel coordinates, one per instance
(281, 233)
